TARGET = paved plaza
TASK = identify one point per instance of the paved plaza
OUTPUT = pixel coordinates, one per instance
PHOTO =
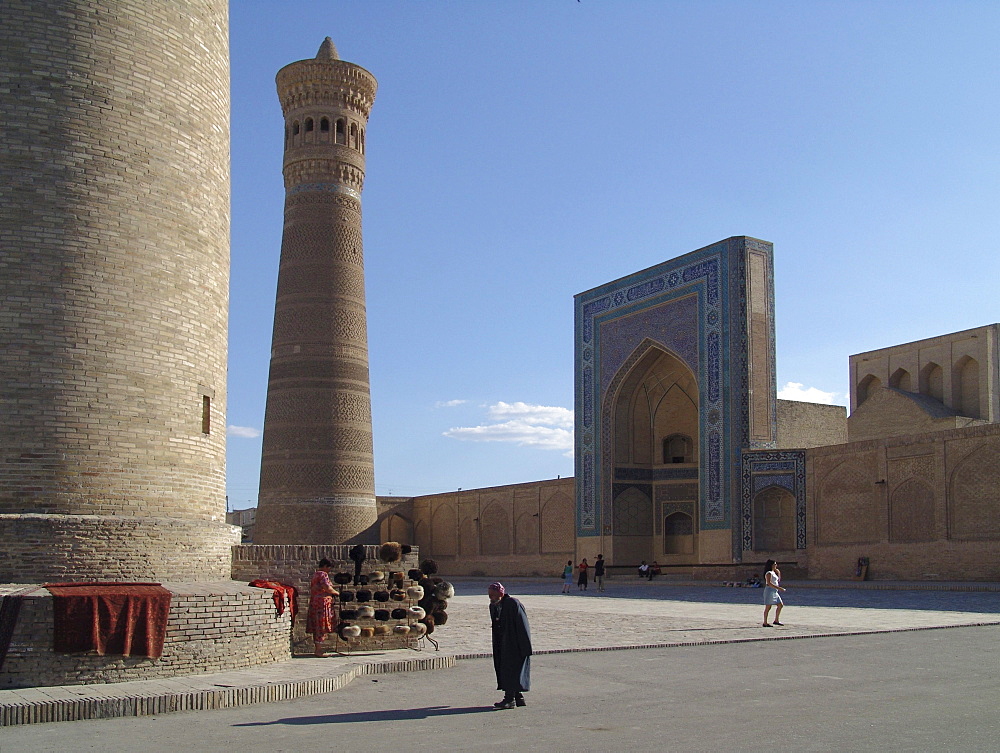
(703, 627)
(924, 690)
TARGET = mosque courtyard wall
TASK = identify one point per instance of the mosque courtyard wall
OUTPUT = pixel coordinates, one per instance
(920, 507)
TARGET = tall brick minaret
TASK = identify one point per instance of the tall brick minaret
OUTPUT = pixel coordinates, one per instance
(317, 477)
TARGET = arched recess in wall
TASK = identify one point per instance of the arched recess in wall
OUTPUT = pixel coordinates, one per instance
(558, 521)
(911, 512)
(421, 537)
(974, 498)
(526, 534)
(443, 533)
(396, 527)
(773, 520)
(495, 530)
(468, 538)
(657, 399)
(848, 507)
(678, 534)
(678, 448)
(901, 380)
(965, 387)
(932, 381)
(867, 387)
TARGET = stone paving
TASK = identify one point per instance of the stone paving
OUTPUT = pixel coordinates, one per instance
(629, 614)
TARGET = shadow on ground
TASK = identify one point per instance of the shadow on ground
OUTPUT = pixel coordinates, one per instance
(388, 715)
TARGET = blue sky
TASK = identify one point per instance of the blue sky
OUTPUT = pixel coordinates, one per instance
(521, 152)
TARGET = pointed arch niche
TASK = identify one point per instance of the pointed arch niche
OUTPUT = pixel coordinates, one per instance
(965, 386)
(656, 413)
(655, 442)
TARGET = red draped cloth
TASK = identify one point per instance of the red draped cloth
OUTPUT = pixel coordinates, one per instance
(282, 593)
(129, 619)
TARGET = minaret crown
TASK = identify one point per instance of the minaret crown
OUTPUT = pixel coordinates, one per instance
(327, 50)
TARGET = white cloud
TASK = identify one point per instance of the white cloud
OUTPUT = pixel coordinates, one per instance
(248, 432)
(449, 403)
(798, 391)
(540, 426)
(534, 414)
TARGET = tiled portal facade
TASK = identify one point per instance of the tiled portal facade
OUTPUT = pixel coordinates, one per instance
(713, 311)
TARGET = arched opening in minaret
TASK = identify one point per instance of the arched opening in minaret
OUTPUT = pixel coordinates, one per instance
(341, 138)
(354, 135)
(655, 456)
(309, 125)
(324, 125)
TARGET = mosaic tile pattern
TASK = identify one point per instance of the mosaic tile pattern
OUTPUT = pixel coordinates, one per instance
(761, 469)
(694, 307)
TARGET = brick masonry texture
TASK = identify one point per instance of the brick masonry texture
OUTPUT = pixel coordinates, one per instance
(40, 548)
(114, 272)
(212, 627)
(921, 507)
(521, 529)
(317, 480)
(802, 425)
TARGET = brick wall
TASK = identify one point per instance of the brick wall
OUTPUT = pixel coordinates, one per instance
(802, 425)
(114, 269)
(520, 529)
(212, 627)
(39, 548)
(921, 507)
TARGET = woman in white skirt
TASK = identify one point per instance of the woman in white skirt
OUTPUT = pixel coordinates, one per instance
(567, 577)
(772, 584)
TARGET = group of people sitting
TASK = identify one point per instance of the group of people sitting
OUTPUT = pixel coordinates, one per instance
(649, 571)
(752, 582)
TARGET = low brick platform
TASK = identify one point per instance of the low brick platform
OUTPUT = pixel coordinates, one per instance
(212, 627)
(281, 682)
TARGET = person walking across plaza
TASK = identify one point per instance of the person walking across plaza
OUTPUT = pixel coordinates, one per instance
(581, 581)
(772, 584)
(511, 647)
(599, 572)
(568, 577)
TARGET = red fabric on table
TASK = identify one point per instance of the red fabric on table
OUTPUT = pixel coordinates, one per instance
(110, 618)
(282, 594)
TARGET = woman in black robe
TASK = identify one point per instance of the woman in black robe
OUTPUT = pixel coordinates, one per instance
(511, 647)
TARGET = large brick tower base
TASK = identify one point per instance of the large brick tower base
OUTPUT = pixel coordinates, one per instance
(114, 276)
(317, 481)
(114, 273)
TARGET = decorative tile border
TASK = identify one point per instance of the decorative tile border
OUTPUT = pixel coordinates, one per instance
(760, 469)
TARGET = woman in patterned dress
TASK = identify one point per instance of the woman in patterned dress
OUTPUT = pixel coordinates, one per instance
(320, 621)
